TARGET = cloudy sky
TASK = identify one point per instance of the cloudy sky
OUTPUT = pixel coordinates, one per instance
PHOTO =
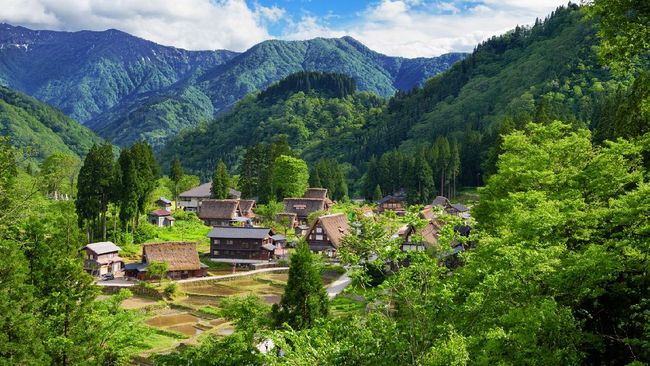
(409, 28)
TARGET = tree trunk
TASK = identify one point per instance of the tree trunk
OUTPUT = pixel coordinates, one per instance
(104, 224)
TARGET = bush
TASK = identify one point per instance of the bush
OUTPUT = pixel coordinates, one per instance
(170, 289)
(144, 232)
(185, 216)
(283, 263)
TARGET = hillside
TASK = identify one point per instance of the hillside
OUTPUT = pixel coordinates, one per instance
(158, 115)
(30, 123)
(319, 121)
(541, 73)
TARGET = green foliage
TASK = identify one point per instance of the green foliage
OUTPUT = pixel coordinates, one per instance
(170, 290)
(157, 269)
(220, 181)
(290, 177)
(35, 125)
(327, 173)
(304, 300)
(58, 174)
(95, 190)
(217, 89)
(624, 32)
(326, 84)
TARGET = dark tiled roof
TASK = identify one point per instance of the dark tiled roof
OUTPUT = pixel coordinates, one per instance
(391, 198)
(202, 191)
(240, 233)
(218, 209)
(459, 207)
(304, 206)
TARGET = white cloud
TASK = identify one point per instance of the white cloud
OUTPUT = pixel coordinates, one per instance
(412, 29)
(191, 24)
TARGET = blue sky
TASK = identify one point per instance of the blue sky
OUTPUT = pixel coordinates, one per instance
(409, 28)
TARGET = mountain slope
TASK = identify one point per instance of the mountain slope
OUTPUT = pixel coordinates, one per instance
(30, 123)
(541, 73)
(155, 116)
(318, 113)
(85, 73)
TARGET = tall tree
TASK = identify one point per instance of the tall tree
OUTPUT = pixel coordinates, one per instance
(304, 299)
(148, 172)
(220, 181)
(176, 174)
(454, 167)
(129, 189)
(95, 188)
(290, 177)
(58, 173)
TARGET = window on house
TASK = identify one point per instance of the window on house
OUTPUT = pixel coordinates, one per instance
(216, 252)
(229, 241)
(319, 236)
(217, 241)
(319, 230)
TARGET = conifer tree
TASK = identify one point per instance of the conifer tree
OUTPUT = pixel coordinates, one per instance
(220, 181)
(305, 299)
(376, 196)
(95, 189)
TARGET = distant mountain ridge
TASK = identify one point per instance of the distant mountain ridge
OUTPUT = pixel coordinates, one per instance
(126, 88)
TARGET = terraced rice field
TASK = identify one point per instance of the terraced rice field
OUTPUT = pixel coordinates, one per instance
(268, 286)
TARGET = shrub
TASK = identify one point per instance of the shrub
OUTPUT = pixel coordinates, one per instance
(170, 289)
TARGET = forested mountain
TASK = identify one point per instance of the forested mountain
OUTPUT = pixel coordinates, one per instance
(157, 116)
(318, 114)
(126, 88)
(86, 73)
(541, 73)
(546, 72)
(30, 123)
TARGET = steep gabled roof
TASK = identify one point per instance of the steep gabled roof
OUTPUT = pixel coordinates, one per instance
(240, 233)
(441, 202)
(316, 193)
(202, 191)
(427, 213)
(304, 206)
(431, 231)
(103, 247)
(391, 198)
(218, 209)
(335, 226)
(179, 256)
(246, 208)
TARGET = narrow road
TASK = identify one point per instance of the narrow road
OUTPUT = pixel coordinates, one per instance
(338, 286)
(234, 275)
(119, 282)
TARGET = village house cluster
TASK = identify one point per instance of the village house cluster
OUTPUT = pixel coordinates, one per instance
(236, 238)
